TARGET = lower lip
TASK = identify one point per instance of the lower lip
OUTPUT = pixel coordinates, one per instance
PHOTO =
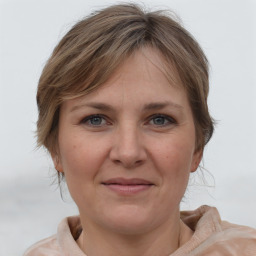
(128, 189)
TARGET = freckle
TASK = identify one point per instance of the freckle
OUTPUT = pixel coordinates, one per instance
(74, 146)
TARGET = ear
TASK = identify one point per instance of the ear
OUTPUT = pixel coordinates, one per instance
(197, 157)
(57, 162)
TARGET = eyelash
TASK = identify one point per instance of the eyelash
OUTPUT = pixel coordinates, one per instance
(170, 120)
(90, 118)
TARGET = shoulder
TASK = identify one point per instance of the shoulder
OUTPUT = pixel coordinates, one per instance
(230, 239)
(213, 235)
(64, 242)
(237, 238)
(45, 247)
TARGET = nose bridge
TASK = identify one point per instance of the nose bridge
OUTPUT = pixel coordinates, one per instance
(128, 137)
(128, 148)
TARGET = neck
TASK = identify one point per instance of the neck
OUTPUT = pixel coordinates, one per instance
(163, 240)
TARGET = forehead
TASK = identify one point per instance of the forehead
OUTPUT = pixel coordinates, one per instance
(140, 80)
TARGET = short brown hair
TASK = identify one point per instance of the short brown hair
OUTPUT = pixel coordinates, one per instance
(91, 51)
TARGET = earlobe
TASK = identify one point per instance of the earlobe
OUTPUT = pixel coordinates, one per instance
(57, 163)
(196, 160)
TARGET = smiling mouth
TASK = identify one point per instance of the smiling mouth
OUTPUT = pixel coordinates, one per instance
(127, 186)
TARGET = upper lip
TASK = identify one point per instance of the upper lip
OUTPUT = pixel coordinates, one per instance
(124, 181)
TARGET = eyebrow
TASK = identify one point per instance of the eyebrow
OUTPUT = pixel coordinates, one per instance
(96, 105)
(149, 106)
(161, 105)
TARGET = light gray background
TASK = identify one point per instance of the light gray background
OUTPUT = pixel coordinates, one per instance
(30, 208)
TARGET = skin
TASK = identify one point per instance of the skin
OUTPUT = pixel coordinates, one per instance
(143, 129)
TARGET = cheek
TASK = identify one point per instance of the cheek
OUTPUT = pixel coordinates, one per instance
(173, 161)
(174, 157)
(81, 161)
(81, 157)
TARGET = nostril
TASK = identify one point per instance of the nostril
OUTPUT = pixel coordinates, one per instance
(127, 153)
(129, 164)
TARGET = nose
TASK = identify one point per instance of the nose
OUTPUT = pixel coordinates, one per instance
(127, 148)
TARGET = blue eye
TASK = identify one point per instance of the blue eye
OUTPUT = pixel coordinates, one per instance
(97, 120)
(159, 120)
(162, 120)
(94, 120)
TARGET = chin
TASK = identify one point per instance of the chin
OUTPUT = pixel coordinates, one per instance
(129, 220)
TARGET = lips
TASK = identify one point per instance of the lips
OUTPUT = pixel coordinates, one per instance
(122, 181)
(127, 186)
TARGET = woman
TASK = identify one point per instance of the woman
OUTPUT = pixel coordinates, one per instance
(123, 112)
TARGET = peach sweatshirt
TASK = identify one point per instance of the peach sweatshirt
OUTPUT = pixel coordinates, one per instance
(212, 237)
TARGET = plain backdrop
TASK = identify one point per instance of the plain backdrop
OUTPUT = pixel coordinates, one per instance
(30, 207)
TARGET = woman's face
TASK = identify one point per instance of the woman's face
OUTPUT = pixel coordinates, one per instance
(127, 149)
